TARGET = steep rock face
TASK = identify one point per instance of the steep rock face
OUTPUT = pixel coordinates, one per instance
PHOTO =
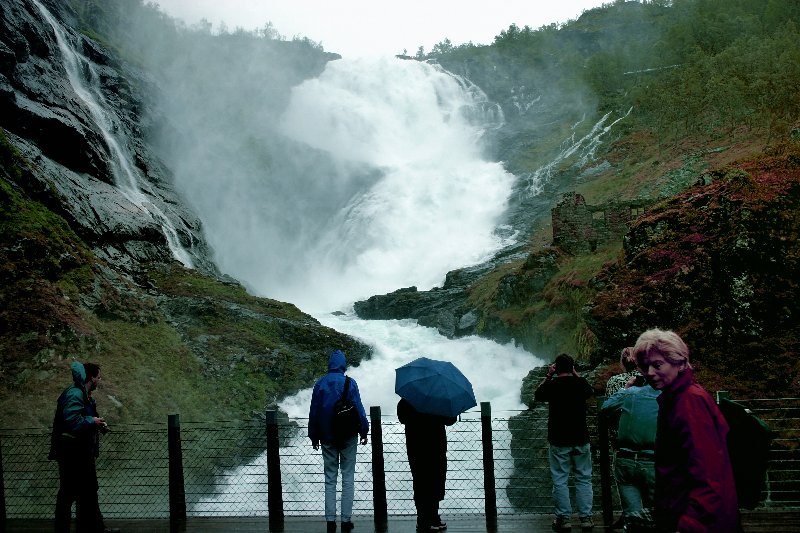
(718, 264)
(79, 172)
(87, 270)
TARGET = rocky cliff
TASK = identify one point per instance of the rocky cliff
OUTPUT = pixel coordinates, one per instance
(102, 260)
(718, 264)
(52, 125)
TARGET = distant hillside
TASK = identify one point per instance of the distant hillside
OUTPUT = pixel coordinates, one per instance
(701, 91)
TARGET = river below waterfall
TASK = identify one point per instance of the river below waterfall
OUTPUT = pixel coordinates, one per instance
(495, 371)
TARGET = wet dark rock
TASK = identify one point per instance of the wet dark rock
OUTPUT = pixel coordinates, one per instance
(449, 309)
(55, 130)
(436, 308)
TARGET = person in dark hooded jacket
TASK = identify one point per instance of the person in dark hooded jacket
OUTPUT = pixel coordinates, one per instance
(75, 445)
(327, 390)
(426, 446)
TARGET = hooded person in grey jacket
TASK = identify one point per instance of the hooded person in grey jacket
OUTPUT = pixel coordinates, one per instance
(75, 444)
(327, 390)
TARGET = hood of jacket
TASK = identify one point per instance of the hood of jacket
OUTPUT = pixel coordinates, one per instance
(337, 362)
(78, 374)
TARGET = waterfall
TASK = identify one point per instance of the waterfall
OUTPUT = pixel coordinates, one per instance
(371, 177)
(583, 148)
(85, 82)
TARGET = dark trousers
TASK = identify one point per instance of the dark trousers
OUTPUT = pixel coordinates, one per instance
(427, 496)
(427, 511)
(78, 483)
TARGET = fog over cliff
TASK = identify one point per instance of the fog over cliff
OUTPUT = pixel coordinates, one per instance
(366, 176)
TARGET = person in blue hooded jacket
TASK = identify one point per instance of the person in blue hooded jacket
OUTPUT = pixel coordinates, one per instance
(75, 444)
(327, 390)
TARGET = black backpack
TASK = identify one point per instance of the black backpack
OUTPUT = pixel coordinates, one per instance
(749, 442)
(346, 420)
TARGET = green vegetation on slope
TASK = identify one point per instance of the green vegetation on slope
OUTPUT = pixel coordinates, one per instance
(170, 341)
(539, 302)
(712, 70)
(263, 348)
(45, 268)
(49, 278)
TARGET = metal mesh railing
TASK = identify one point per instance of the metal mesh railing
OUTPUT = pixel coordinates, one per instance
(224, 467)
(132, 469)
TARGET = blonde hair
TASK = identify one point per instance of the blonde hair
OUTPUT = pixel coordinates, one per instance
(666, 343)
(627, 359)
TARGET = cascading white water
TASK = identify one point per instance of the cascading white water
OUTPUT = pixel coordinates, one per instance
(494, 370)
(583, 149)
(85, 82)
(398, 194)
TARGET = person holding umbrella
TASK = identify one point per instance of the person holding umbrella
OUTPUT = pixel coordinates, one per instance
(433, 394)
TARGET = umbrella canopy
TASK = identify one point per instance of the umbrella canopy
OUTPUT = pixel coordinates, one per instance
(434, 387)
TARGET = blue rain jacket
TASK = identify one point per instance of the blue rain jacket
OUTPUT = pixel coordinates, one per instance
(327, 390)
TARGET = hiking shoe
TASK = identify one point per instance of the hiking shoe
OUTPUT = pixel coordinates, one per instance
(332, 527)
(347, 526)
(439, 525)
(561, 523)
(586, 523)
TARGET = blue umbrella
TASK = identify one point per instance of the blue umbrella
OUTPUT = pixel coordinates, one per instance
(434, 387)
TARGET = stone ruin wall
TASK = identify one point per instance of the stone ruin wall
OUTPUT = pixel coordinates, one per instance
(580, 227)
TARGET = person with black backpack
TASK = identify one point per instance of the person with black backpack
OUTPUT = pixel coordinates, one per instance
(336, 419)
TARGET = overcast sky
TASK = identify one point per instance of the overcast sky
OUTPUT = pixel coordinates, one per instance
(376, 27)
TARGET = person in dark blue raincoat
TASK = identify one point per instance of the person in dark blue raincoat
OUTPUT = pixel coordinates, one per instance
(327, 390)
(75, 445)
(426, 445)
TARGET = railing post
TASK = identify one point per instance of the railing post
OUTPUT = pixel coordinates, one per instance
(489, 490)
(274, 487)
(2, 492)
(177, 494)
(378, 470)
(606, 498)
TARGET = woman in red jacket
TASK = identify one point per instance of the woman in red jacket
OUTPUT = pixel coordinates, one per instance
(695, 490)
